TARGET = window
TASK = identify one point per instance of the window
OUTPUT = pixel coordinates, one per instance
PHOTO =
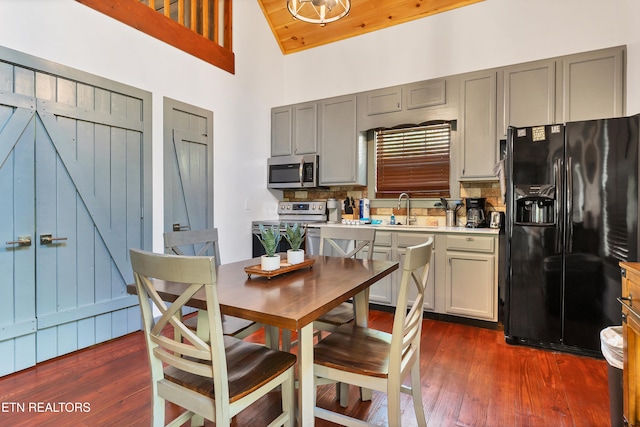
(201, 28)
(413, 159)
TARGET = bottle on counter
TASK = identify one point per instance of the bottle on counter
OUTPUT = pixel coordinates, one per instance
(393, 220)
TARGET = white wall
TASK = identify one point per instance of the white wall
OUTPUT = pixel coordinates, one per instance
(484, 35)
(74, 35)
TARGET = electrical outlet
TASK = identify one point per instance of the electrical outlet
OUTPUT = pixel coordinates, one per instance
(246, 205)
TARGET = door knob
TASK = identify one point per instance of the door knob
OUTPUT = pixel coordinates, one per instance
(22, 241)
(178, 227)
(47, 239)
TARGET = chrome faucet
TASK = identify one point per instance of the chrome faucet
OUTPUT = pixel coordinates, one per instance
(409, 219)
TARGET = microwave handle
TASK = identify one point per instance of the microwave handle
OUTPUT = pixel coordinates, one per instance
(301, 172)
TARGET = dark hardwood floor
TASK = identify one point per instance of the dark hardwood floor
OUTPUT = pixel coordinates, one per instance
(470, 377)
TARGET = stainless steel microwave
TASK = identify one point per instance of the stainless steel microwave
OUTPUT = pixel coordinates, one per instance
(293, 171)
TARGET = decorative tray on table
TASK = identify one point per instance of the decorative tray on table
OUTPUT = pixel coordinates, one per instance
(285, 267)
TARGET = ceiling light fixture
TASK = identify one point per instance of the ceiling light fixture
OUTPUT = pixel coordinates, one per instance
(319, 11)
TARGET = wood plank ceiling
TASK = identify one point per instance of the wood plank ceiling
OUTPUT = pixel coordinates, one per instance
(365, 16)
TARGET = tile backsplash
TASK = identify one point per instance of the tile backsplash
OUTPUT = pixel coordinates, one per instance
(490, 190)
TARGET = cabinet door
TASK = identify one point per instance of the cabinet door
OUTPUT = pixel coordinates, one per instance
(405, 240)
(478, 126)
(281, 131)
(429, 303)
(470, 285)
(384, 101)
(338, 142)
(305, 128)
(593, 85)
(529, 95)
(383, 291)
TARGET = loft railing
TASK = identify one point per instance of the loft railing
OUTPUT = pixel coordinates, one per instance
(199, 27)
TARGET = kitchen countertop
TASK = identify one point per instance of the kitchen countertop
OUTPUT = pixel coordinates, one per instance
(419, 228)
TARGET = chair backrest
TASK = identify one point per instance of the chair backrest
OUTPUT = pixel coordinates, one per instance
(407, 326)
(193, 242)
(185, 351)
(342, 238)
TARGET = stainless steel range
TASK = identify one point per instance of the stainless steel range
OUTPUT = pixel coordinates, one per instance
(301, 212)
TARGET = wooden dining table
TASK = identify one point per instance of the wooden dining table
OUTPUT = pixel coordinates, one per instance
(292, 301)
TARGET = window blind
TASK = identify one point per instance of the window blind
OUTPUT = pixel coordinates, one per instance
(414, 160)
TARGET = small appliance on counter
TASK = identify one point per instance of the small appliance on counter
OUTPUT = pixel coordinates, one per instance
(475, 212)
(334, 208)
(495, 219)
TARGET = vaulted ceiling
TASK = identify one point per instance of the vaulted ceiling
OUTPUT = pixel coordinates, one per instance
(365, 16)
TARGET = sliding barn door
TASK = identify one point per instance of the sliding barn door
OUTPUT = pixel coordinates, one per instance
(75, 179)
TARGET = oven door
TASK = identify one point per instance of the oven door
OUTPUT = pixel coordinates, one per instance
(293, 171)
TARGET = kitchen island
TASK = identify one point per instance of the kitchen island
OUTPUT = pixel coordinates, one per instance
(463, 277)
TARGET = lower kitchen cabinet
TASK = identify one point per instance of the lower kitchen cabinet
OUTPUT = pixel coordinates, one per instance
(471, 277)
(463, 274)
(405, 240)
(382, 292)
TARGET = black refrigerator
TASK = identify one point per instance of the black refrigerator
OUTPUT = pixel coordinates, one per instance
(572, 216)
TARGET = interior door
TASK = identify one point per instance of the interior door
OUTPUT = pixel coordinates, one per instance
(74, 160)
(188, 163)
(17, 218)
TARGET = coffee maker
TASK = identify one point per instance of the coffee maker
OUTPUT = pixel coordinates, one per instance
(475, 212)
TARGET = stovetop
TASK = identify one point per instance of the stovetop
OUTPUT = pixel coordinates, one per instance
(301, 212)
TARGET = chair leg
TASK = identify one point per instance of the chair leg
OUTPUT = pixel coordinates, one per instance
(393, 404)
(416, 393)
(197, 421)
(342, 392)
(158, 411)
(288, 399)
(286, 340)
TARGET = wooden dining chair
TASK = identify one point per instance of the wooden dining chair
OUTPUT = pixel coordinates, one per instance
(376, 360)
(199, 243)
(214, 378)
(339, 239)
(346, 242)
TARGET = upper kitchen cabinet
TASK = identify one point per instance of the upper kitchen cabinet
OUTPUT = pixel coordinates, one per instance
(593, 85)
(281, 131)
(392, 106)
(477, 126)
(528, 95)
(294, 129)
(342, 150)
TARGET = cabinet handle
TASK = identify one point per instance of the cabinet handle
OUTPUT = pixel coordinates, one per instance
(469, 239)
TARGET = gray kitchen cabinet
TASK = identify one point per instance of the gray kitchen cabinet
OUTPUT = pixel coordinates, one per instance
(384, 101)
(405, 240)
(281, 131)
(593, 85)
(294, 129)
(528, 95)
(383, 291)
(463, 273)
(471, 276)
(343, 159)
(410, 103)
(477, 126)
(424, 94)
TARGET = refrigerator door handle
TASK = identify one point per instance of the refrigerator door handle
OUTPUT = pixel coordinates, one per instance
(569, 220)
(558, 184)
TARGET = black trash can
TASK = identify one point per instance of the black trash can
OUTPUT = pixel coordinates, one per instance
(611, 345)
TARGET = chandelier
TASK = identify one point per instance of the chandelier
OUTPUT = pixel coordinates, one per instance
(319, 11)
